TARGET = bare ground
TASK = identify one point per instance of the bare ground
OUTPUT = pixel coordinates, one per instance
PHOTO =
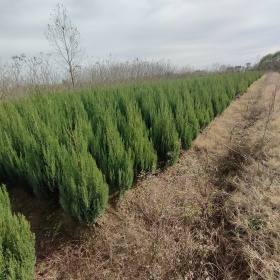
(214, 215)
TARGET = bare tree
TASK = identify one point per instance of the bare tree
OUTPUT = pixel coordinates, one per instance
(64, 37)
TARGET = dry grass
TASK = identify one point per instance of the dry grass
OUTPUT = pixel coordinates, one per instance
(214, 215)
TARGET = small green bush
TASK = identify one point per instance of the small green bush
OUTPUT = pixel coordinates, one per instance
(17, 243)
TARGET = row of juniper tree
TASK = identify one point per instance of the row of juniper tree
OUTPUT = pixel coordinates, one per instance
(77, 147)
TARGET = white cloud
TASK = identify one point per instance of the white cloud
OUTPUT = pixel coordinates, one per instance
(187, 32)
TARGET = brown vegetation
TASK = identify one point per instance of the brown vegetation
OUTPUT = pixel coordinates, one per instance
(214, 215)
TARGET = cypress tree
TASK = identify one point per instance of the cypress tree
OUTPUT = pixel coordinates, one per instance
(107, 145)
(159, 119)
(82, 188)
(193, 124)
(17, 243)
(182, 107)
(109, 151)
(83, 191)
(135, 134)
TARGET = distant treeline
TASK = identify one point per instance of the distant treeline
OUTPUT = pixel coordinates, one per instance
(270, 62)
(76, 147)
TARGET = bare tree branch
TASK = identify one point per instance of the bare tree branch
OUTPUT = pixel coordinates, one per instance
(64, 37)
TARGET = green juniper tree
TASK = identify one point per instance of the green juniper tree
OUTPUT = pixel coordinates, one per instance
(17, 243)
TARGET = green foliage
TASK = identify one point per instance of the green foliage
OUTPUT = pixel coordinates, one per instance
(73, 147)
(270, 62)
(136, 137)
(82, 189)
(202, 103)
(17, 243)
(159, 119)
(109, 150)
(107, 146)
(183, 112)
(256, 223)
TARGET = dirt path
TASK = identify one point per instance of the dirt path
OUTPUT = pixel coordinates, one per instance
(214, 215)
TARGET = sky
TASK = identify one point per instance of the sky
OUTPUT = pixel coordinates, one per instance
(189, 33)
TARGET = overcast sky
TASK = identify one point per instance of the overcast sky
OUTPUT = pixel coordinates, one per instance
(193, 33)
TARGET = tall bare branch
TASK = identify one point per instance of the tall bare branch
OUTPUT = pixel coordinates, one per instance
(65, 39)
